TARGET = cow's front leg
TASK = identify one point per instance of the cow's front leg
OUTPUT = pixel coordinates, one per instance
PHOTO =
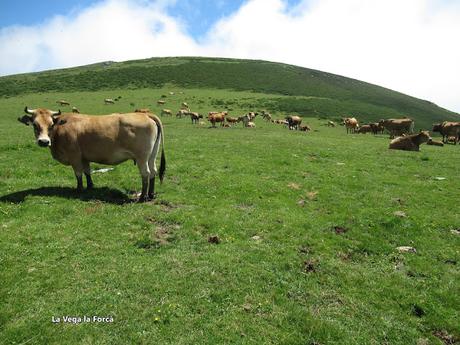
(87, 170)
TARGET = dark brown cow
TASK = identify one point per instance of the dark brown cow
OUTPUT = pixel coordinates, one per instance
(376, 128)
(294, 121)
(398, 127)
(305, 128)
(77, 140)
(195, 117)
(410, 142)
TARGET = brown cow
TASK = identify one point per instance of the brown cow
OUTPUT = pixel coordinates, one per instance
(397, 127)
(181, 112)
(166, 112)
(376, 128)
(219, 117)
(351, 124)
(365, 129)
(232, 120)
(77, 140)
(435, 142)
(410, 142)
(447, 129)
(142, 110)
(305, 128)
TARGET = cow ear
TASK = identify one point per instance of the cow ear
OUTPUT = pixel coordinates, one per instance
(58, 121)
(26, 119)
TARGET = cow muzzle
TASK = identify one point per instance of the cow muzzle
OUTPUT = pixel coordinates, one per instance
(44, 142)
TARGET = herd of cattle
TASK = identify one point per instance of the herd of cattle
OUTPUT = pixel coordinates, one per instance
(77, 140)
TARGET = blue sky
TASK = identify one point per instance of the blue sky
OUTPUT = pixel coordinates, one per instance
(198, 15)
(409, 46)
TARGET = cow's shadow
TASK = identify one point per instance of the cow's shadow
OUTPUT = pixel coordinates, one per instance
(104, 194)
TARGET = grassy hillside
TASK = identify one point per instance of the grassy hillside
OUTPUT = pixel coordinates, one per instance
(307, 226)
(312, 93)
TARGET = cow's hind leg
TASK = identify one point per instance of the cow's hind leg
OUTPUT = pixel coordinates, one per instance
(145, 175)
(153, 169)
(78, 170)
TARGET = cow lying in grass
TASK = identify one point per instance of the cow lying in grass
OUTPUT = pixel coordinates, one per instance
(410, 142)
(232, 120)
(77, 140)
(435, 142)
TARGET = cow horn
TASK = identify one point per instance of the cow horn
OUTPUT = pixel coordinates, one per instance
(56, 113)
(29, 111)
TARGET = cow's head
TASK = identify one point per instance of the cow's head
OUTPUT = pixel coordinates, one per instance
(425, 136)
(43, 121)
(436, 127)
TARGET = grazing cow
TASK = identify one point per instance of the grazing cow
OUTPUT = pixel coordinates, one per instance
(448, 129)
(376, 128)
(365, 129)
(195, 117)
(351, 124)
(266, 116)
(219, 117)
(166, 112)
(232, 120)
(109, 101)
(77, 140)
(161, 102)
(330, 124)
(62, 102)
(244, 119)
(142, 110)
(398, 127)
(293, 121)
(75, 110)
(410, 142)
(181, 112)
(305, 128)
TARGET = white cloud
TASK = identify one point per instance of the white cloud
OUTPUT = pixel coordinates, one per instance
(410, 46)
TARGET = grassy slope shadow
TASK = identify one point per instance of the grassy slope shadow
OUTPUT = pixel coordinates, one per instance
(104, 194)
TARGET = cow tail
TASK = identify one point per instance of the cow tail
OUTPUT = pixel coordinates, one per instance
(161, 137)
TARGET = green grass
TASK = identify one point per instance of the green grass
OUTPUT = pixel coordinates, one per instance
(313, 93)
(150, 266)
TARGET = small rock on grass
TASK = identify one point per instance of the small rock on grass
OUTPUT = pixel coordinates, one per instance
(406, 249)
(340, 229)
(400, 214)
(214, 239)
(256, 238)
(455, 231)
